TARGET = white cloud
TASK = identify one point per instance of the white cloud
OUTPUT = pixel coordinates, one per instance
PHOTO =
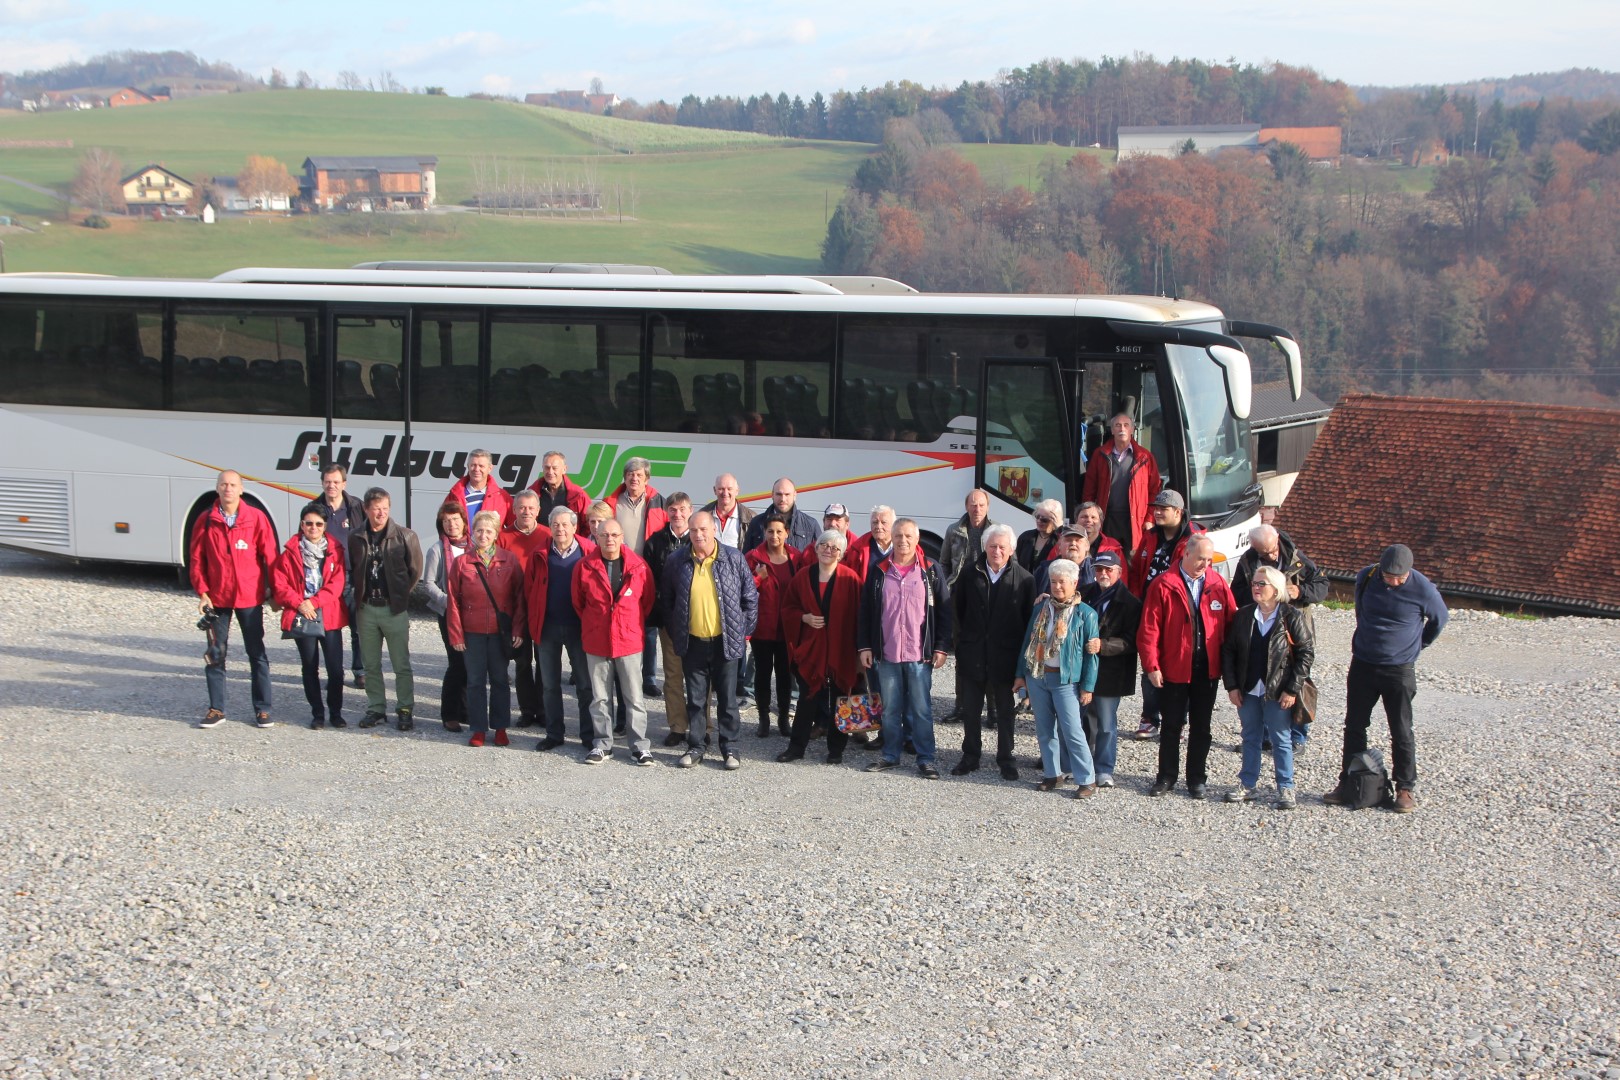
(31, 12)
(496, 84)
(802, 32)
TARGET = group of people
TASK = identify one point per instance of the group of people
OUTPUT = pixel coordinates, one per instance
(1064, 615)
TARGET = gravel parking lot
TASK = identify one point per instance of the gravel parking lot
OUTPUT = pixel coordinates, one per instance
(295, 903)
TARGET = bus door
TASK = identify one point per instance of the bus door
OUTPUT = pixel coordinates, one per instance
(1025, 446)
(368, 423)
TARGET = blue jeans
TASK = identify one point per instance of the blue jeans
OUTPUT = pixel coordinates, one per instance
(489, 695)
(1262, 719)
(1150, 702)
(1058, 729)
(907, 708)
(548, 655)
(251, 620)
(1102, 730)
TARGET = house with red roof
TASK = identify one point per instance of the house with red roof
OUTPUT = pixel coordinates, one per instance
(1498, 500)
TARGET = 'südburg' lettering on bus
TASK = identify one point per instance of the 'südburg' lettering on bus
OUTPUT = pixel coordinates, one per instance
(395, 456)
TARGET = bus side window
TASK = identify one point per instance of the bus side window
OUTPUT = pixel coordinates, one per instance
(233, 360)
(746, 373)
(88, 354)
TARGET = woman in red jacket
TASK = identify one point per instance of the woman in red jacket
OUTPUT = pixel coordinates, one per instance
(818, 624)
(773, 564)
(308, 580)
(483, 586)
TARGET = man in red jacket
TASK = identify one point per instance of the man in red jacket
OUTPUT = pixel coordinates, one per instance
(555, 489)
(478, 490)
(1122, 478)
(1184, 623)
(613, 593)
(523, 538)
(232, 552)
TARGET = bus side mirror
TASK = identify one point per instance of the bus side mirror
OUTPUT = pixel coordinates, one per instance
(1234, 365)
(1285, 343)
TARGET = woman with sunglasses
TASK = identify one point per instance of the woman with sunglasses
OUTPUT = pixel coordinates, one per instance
(308, 581)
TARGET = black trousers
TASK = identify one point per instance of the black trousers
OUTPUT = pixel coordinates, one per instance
(530, 686)
(1396, 685)
(453, 697)
(972, 695)
(816, 707)
(771, 658)
(1188, 705)
(704, 666)
(311, 651)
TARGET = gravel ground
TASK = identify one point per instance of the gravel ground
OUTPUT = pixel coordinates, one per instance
(293, 903)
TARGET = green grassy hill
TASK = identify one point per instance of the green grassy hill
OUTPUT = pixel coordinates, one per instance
(693, 200)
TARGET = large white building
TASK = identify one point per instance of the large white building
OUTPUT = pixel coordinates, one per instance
(1169, 141)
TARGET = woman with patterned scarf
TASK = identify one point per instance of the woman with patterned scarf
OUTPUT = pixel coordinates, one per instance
(308, 580)
(1058, 666)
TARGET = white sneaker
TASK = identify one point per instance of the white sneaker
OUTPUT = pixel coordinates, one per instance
(1105, 780)
(1240, 794)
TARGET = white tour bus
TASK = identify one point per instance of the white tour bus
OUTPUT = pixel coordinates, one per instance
(121, 398)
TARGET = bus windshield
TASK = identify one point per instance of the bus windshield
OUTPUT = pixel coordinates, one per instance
(1219, 470)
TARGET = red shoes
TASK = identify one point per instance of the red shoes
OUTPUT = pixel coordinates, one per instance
(500, 737)
(477, 739)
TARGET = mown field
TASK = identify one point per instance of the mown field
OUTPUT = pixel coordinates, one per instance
(700, 203)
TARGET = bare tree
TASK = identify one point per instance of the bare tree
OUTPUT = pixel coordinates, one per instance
(263, 178)
(350, 80)
(98, 182)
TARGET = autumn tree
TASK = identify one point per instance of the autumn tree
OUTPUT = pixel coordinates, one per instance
(97, 183)
(263, 178)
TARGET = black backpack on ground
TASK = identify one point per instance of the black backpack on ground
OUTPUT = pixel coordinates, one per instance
(1366, 781)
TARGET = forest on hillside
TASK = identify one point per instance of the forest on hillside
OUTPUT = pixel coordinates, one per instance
(1084, 102)
(1501, 282)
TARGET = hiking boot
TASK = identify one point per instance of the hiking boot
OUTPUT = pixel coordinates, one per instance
(1336, 797)
(1405, 802)
(405, 722)
(372, 719)
(1286, 799)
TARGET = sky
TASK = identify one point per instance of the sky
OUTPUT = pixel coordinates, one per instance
(651, 49)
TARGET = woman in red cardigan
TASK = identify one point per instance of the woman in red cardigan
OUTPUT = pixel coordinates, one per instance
(773, 564)
(308, 579)
(818, 622)
(483, 585)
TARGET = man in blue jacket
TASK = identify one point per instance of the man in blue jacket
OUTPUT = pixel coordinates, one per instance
(709, 606)
(1399, 613)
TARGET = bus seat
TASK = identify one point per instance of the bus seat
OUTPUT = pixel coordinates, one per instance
(706, 401)
(804, 407)
(508, 398)
(730, 388)
(776, 404)
(385, 387)
(628, 397)
(668, 407)
(233, 367)
(263, 370)
(889, 411)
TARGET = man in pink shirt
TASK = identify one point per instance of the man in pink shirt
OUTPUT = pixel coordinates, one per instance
(904, 632)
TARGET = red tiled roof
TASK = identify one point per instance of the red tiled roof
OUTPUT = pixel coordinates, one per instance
(1496, 499)
(1319, 143)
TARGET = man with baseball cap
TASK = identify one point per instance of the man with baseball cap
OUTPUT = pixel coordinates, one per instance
(1399, 613)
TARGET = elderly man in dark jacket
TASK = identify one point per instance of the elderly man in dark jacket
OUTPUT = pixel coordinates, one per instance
(385, 561)
(709, 605)
(1119, 615)
(1268, 547)
(991, 602)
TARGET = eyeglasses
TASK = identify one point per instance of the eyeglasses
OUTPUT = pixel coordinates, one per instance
(314, 524)
(1045, 519)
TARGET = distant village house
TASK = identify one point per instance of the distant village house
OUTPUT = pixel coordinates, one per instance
(129, 95)
(1320, 144)
(231, 197)
(369, 183)
(155, 186)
